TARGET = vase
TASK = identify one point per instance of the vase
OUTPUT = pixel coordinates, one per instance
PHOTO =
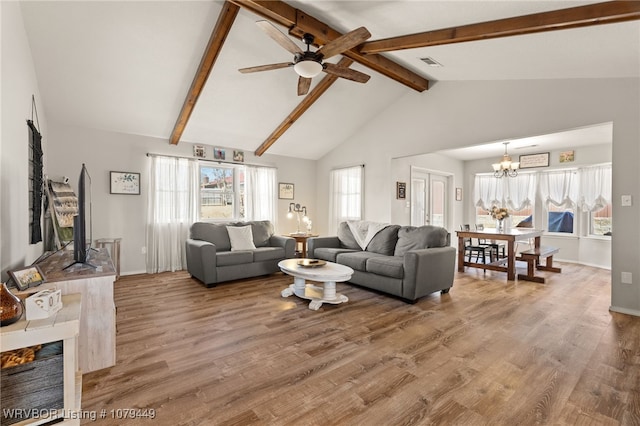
(10, 307)
(500, 225)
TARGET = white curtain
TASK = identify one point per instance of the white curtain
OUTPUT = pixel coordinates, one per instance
(520, 191)
(515, 193)
(345, 200)
(173, 208)
(487, 191)
(595, 187)
(261, 194)
(560, 187)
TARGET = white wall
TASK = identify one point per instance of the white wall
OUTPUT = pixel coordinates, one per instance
(125, 215)
(18, 84)
(458, 114)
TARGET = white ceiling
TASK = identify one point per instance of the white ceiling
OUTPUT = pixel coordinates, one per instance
(127, 66)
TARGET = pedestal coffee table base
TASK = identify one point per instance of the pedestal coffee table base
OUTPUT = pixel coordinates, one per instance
(328, 275)
(317, 295)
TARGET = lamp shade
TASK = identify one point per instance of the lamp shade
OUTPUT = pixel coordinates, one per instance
(308, 68)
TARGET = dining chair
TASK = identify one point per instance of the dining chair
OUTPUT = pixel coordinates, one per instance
(474, 250)
(498, 247)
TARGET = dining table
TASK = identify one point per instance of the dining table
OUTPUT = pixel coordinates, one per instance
(511, 236)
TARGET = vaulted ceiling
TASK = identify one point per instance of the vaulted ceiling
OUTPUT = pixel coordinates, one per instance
(129, 66)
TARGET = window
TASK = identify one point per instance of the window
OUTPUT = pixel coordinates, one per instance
(559, 191)
(221, 192)
(517, 194)
(600, 221)
(345, 201)
(560, 219)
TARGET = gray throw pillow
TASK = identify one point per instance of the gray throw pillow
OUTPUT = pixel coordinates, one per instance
(384, 242)
(262, 230)
(346, 237)
(416, 238)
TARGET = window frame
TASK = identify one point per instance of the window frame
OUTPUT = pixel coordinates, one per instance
(237, 192)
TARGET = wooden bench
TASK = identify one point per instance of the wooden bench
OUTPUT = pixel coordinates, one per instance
(532, 257)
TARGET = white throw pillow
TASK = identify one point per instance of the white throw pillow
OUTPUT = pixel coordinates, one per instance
(241, 238)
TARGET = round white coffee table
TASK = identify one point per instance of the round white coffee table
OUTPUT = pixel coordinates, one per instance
(328, 274)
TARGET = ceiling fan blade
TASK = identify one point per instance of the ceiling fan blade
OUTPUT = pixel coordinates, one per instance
(347, 73)
(282, 39)
(303, 85)
(266, 67)
(344, 42)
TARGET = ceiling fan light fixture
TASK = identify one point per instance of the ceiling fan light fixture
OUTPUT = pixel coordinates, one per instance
(308, 68)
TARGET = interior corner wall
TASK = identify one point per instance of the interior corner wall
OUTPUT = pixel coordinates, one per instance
(17, 84)
(458, 114)
(124, 216)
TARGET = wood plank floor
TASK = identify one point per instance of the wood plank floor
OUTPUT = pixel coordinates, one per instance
(491, 352)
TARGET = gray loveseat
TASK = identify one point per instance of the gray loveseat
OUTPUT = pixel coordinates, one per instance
(210, 257)
(405, 261)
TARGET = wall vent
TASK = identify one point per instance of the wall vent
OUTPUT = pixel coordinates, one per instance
(431, 62)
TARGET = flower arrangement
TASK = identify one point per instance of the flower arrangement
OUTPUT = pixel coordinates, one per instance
(499, 213)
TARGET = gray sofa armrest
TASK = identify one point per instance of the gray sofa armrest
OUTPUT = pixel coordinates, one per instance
(427, 271)
(321, 242)
(201, 260)
(287, 243)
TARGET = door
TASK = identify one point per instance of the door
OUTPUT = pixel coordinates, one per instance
(429, 199)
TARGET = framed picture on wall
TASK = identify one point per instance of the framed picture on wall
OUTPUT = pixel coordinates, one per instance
(458, 194)
(285, 191)
(127, 183)
(534, 160)
(401, 190)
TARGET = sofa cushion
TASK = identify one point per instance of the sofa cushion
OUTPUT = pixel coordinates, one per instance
(228, 258)
(422, 237)
(346, 237)
(330, 254)
(261, 254)
(388, 266)
(241, 237)
(356, 260)
(262, 231)
(384, 242)
(213, 233)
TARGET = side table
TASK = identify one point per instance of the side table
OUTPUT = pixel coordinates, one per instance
(302, 240)
(115, 251)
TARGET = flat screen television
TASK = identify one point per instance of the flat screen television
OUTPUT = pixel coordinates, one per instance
(82, 229)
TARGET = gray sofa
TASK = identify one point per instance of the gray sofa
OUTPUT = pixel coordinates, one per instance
(404, 261)
(210, 257)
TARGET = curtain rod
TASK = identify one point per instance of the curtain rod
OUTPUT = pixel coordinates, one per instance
(151, 154)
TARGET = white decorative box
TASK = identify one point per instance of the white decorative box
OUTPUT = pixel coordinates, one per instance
(43, 304)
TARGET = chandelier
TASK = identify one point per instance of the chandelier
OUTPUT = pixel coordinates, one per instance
(505, 167)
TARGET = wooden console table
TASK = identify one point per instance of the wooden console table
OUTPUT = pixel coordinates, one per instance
(97, 341)
(63, 326)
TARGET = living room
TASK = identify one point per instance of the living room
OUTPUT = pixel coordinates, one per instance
(451, 114)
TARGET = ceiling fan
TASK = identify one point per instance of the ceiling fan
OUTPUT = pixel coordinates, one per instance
(309, 64)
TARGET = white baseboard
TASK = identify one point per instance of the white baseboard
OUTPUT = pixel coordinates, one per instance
(620, 310)
(593, 265)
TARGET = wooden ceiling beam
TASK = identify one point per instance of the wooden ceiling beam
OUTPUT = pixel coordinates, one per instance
(275, 11)
(581, 16)
(298, 22)
(302, 107)
(216, 41)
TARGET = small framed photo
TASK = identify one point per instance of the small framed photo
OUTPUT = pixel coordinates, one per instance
(24, 278)
(401, 190)
(567, 157)
(219, 154)
(458, 194)
(285, 191)
(534, 160)
(199, 151)
(127, 183)
(238, 156)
